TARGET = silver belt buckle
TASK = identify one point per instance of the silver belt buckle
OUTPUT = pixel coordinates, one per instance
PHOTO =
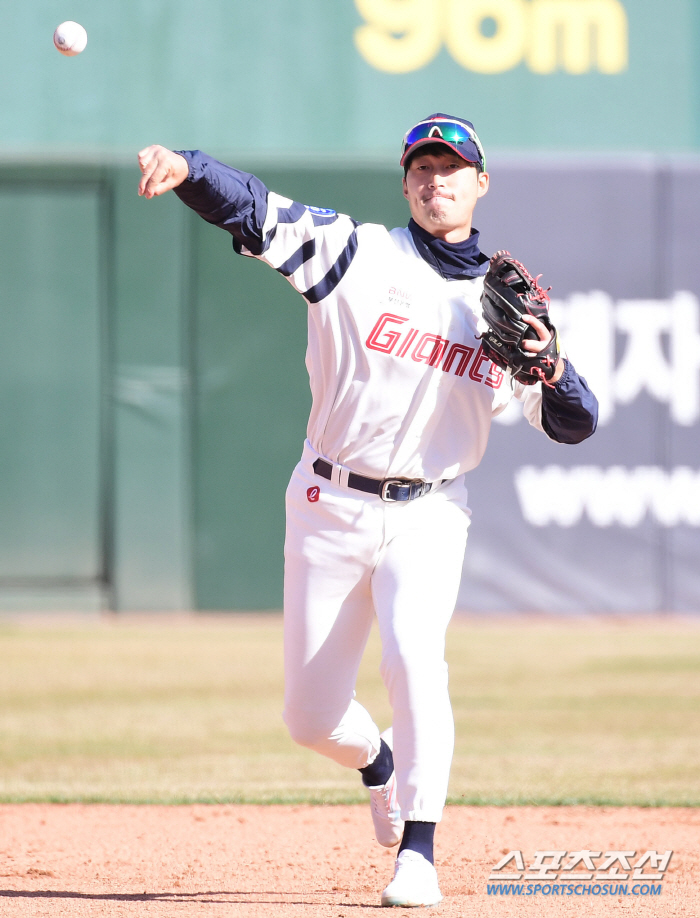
(386, 484)
(401, 482)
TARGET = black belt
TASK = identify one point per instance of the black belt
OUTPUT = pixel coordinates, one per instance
(389, 489)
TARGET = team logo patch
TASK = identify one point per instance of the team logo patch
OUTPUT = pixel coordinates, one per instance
(313, 494)
(320, 211)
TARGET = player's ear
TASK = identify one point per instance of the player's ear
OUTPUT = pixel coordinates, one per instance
(405, 188)
(483, 184)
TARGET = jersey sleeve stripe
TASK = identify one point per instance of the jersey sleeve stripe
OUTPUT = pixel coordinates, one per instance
(277, 215)
(295, 261)
(324, 219)
(334, 276)
(330, 242)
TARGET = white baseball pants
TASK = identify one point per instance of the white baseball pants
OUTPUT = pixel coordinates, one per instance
(349, 556)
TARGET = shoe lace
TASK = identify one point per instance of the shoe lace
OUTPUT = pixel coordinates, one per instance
(381, 800)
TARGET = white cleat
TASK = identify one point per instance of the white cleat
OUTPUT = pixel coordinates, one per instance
(386, 815)
(415, 883)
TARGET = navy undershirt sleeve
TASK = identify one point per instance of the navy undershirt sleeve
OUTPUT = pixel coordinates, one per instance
(569, 408)
(234, 200)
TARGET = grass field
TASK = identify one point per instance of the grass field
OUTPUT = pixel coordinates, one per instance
(188, 709)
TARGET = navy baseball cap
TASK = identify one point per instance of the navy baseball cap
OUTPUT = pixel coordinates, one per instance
(455, 133)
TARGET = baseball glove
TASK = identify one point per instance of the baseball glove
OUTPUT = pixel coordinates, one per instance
(510, 292)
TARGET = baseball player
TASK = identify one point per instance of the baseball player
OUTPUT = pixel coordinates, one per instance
(377, 515)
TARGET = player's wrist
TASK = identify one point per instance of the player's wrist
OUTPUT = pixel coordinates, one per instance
(559, 371)
(182, 166)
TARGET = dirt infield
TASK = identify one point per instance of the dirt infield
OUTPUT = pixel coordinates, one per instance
(80, 860)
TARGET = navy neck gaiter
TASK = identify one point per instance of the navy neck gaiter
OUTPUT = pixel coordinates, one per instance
(451, 260)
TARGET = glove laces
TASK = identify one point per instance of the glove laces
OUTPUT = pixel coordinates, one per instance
(532, 286)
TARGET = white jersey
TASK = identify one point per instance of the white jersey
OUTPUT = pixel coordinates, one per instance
(400, 384)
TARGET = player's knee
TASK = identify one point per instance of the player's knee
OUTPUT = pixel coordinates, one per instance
(307, 728)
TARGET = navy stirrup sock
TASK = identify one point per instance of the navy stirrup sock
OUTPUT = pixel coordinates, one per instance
(381, 768)
(418, 836)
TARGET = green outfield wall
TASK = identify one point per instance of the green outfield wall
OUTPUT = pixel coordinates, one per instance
(332, 77)
(95, 444)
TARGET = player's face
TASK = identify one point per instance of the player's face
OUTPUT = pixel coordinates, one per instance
(442, 190)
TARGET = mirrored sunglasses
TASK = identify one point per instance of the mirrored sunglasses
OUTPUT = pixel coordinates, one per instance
(452, 132)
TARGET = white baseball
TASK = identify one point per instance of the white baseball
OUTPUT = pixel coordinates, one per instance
(70, 38)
